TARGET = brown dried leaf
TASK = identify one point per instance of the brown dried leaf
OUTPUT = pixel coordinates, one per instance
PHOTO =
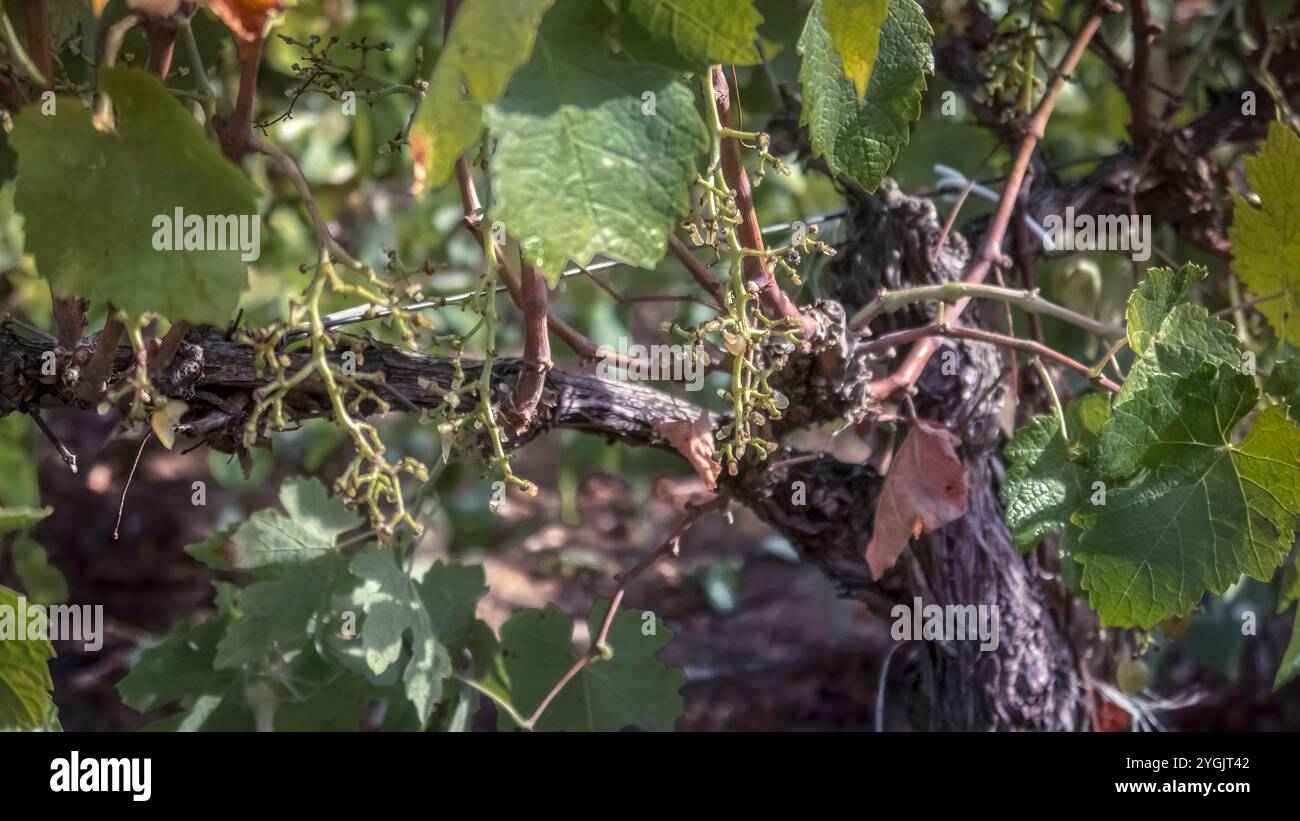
(925, 490)
(694, 440)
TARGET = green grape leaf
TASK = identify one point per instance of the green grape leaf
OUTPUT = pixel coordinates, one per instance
(213, 551)
(194, 718)
(861, 139)
(1284, 383)
(450, 594)
(1153, 418)
(96, 238)
(1205, 510)
(25, 682)
(336, 706)
(1289, 669)
(1266, 240)
(1289, 590)
(595, 153)
(1159, 292)
(633, 689)
(21, 518)
(393, 606)
(463, 701)
(18, 487)
(313, 523)
(279, 615)
(226, 712)
(310, 504)
(1046, 481)
(180, 666)
(43, 582)
(1187, 338)
(324, 697)
(1086, 416)
(488, 42)
(701, 32)
(49, 725)
(854, 27)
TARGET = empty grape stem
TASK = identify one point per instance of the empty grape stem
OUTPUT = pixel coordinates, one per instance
(68, 457)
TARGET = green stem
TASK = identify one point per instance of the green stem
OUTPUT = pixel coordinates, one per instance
(1238, 314)
(196, 66)
(500, 702)
(1028, 301)
(1046, 379)
(1027, 95)
(19, 53)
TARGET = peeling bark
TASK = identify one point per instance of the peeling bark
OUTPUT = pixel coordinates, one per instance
(1030, 680)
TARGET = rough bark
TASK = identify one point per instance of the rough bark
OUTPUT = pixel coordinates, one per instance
(216, 377)
(1028, 682)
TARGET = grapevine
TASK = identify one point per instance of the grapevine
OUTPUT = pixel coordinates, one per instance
(419, 355)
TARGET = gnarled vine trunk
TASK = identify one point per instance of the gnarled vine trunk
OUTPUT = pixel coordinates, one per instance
(1031, 680)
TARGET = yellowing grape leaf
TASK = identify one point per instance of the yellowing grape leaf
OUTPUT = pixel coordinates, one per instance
(1266, 240)
(854, 27)
(489, 40)
(924, 490)
(861, 137)
(701, 32)
(25, 682)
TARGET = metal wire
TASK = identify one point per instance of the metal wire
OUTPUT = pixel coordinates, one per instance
(365, 313)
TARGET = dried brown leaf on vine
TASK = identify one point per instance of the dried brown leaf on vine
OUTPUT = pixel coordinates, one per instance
(694, 440)
(924, 490)
(246, 18)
